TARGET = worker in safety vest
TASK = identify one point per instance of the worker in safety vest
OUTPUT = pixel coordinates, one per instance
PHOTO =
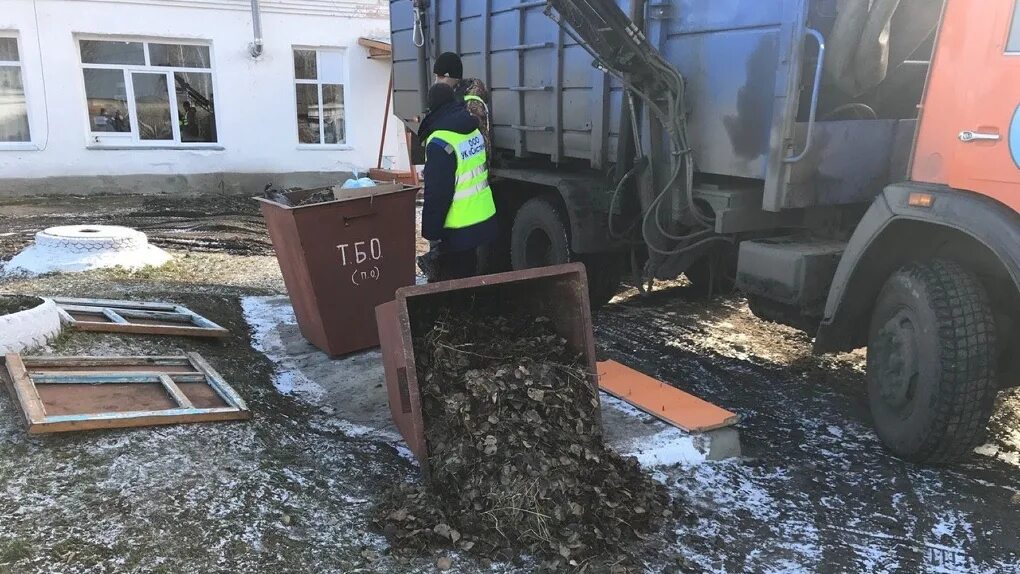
(449, 70)
(459, 211)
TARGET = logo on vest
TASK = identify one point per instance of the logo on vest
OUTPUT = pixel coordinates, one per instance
(471, 147)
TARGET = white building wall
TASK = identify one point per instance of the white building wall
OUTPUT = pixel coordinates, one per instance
(255, 98)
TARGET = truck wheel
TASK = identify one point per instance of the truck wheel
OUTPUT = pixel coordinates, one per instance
(931, 362)
(539, 236)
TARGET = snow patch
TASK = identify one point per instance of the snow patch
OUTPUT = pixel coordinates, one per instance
(75, 248)
(264, 315)
(667, 445)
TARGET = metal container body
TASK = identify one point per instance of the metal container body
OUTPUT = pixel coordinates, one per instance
(740, 58)
(747, 65)
(559, 292)
(340, 259)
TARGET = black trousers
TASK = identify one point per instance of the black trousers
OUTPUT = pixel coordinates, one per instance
(457, 264)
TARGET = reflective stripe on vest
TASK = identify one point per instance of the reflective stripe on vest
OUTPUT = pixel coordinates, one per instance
(472, 196)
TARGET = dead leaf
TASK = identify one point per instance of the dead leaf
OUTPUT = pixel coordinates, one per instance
(444, 563)
(511, 423)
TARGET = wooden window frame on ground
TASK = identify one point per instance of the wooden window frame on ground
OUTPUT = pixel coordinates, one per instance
(24, 373)
(120, 313)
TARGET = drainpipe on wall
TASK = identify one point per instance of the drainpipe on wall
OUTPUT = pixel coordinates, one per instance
(255, 48)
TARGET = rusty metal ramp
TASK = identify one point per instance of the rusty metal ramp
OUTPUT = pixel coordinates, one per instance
(662, 401)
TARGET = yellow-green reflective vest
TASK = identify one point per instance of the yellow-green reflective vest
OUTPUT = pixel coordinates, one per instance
(472, 196)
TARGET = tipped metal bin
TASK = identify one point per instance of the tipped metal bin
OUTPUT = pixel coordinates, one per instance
(341, 258)
(559, 292)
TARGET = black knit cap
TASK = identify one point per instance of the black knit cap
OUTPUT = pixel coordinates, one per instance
(449, 64)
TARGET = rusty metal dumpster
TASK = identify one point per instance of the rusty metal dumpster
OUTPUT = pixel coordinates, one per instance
(341, 258)
(559, 292)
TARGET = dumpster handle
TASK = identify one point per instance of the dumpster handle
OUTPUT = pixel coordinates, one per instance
(814, 96)
(371, 212)
(349, 218)
(405, 393)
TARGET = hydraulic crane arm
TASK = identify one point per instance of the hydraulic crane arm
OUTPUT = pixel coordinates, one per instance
(601, 27)
(621, 48)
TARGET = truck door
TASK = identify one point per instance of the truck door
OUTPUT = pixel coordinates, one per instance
(969, 134)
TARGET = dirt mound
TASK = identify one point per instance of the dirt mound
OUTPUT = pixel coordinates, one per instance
(14, 303)
(517, 458)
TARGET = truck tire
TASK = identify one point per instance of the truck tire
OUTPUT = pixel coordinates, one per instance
(931, 362)
(540, 237)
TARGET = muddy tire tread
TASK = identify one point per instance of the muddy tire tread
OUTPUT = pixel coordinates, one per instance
(966, 340)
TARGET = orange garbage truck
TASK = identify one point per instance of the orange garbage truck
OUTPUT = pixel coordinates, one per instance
(852, 167)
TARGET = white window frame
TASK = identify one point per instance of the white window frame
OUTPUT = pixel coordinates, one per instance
(131, 139)
(29, 145)
(344, 52)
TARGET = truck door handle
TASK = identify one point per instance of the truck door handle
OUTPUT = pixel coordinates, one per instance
(969, 136)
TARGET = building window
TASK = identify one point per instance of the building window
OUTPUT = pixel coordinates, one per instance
(13, 103)
(319, 77)
(147, 93)
(1013, 44)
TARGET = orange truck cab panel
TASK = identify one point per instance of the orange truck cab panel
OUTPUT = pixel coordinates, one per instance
(969, 131)
(963, 191)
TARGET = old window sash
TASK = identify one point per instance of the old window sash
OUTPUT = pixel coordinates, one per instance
(148, 318)
(25, 374)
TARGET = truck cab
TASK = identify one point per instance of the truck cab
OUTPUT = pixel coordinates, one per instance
(929, 280)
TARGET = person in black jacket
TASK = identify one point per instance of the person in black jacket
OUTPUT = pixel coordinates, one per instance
(455, 254)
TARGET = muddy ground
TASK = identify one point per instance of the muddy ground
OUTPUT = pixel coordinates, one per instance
(290, 490)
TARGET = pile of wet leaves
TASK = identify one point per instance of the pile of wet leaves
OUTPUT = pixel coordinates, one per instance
(516, 454)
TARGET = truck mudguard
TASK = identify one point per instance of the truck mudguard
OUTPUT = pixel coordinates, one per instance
(994, 225)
